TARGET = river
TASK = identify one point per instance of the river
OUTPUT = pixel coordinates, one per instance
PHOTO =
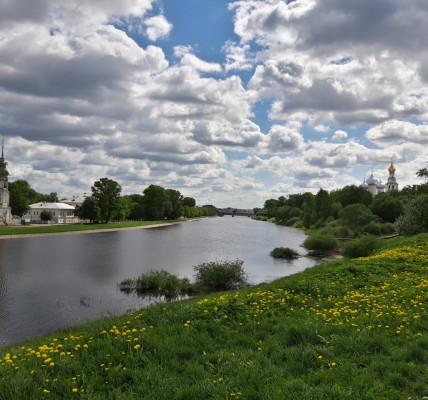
(49, 283)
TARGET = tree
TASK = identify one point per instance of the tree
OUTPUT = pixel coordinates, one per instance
(21, 195)
(322, 205)
(352, 194)
(45, 215)
(188, 201)
(387, 207)
(50, 198)
(173, 207)
(137, 207)
(423, 172)
(89, 210)
(155, 198)
(356, 216)
(123, 208)
(415, 217)
(106, 192)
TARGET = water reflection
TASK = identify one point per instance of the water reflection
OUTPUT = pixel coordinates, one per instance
(52, 282)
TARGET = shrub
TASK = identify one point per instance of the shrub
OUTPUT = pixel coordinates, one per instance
(373, 228)
(291, 221)
(388, 227)
(221, 275)
(284, 252)
(162, 281)
(319, 243)
(414, 220)
(362, 247)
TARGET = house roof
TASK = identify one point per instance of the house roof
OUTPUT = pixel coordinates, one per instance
(42, 205)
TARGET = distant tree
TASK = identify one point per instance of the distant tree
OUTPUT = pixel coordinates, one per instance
(137, 207)
(123, 208)
(155, 198)
(107, 193)
(45, 215)
(49, 198)
(308, 210)
(21, 196)
(188, 201)
(387, 207)
(323, 205)
(415, 217)
(173, 208)
(89, 210)
(356, 216)
(423, 172)
(352, 194)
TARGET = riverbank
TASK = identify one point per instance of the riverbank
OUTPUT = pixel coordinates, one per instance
(353, 329)
(45, 230)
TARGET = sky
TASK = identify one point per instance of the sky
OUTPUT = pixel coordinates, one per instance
(229, 102)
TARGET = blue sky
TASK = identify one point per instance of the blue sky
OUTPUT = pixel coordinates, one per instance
(231, 103)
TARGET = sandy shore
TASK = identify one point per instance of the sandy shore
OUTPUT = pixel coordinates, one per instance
(26, 235)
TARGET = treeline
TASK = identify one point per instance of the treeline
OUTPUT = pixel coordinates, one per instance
(106, 203)
(156, 203)
(350, 211)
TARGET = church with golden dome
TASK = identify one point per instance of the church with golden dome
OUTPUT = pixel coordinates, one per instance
(375, 187)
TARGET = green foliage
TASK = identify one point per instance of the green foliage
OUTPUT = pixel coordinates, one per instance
(351, 195)
(361, 247)
(221, 275)
(123, 208)
(355, 216)
(89, 210)
(423, 172)
(155, 198)
(21, 196)
(415, 217)
(284, 252)
(320, 243)
(4, 173)
(173, 206)
(45, 215)
(373, 228)
(106, 192)
(158, 281)
(387, 207)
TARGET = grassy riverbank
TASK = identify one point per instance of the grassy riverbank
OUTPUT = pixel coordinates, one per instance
(43, 229)
(348, 329)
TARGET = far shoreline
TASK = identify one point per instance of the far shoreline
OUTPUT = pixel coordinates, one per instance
(74, 232)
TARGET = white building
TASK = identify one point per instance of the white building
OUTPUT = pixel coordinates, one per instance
(375, 187)
(61, 213)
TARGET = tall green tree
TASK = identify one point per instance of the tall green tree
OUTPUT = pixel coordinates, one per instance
(21, 195)
(414, 220)
(352, 194)
(323, 204)
(107, 193)
(173, 207)
(387, 207)
(89, 210)
(155, 198)
(123, 208)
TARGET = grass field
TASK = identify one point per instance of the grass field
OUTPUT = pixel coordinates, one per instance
(348, 329)
(40, 229)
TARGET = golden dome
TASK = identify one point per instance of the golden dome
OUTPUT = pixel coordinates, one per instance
(391, 169)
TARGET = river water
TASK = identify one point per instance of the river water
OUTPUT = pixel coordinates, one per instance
(49, 283)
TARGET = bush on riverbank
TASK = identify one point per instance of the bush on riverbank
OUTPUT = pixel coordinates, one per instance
(319, 243)
(330, 332)
(220, 275)
(284, 252)
(361, 247)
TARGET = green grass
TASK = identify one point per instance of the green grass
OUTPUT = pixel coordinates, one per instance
(348, 329)
(31, 230)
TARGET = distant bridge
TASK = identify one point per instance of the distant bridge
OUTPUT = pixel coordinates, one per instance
(234, 211)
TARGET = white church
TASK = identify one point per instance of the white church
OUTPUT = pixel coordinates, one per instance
(374, 186)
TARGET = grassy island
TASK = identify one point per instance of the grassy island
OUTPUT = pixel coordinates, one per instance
(348, 329)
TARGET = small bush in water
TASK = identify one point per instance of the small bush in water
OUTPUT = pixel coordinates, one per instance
(320, 243)
(221, 275)
(284, 252)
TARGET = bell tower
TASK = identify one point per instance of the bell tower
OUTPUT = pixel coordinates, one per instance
(391, 184)
(5, 210)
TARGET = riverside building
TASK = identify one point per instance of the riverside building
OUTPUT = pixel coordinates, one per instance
(375, 186)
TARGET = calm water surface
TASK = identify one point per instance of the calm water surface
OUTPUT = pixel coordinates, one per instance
(53, 282)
